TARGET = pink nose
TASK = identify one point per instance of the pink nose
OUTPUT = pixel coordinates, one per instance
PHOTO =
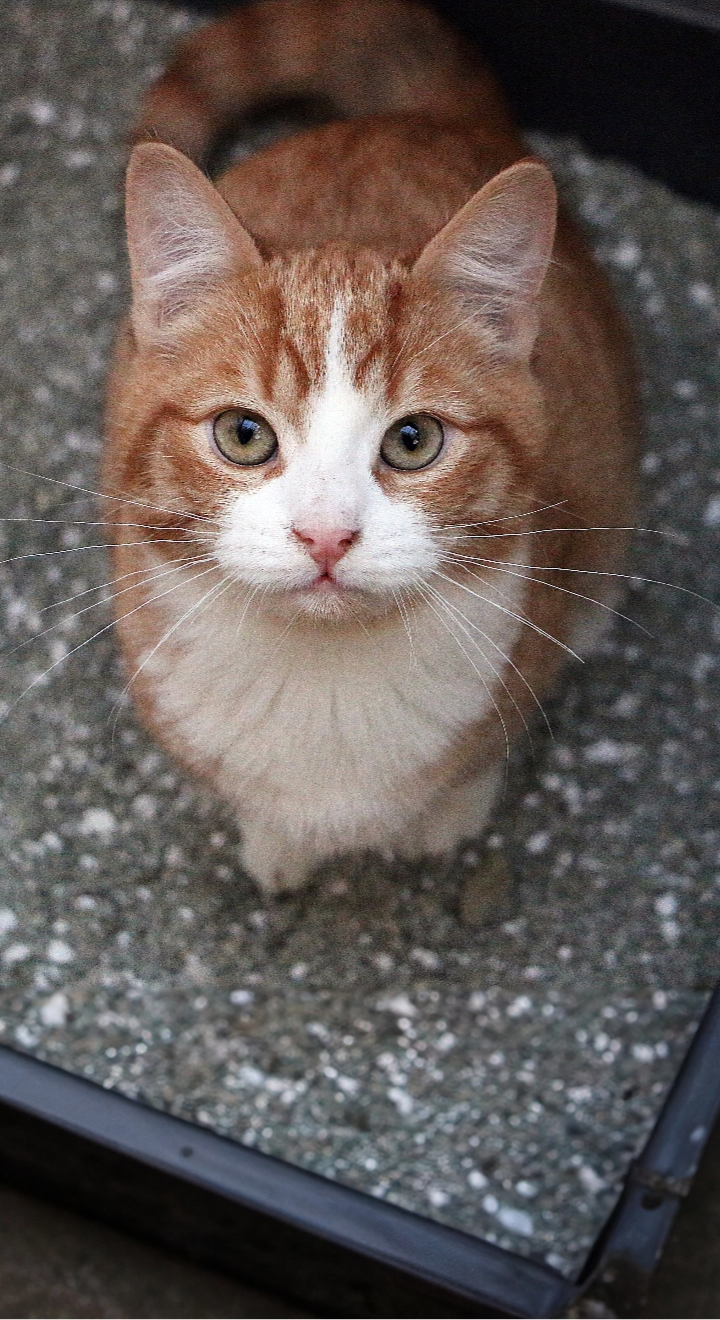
(326, 547)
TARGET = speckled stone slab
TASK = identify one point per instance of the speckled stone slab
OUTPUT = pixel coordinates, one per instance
(496, 1077)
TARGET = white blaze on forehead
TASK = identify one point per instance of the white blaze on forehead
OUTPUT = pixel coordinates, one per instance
(328, 477)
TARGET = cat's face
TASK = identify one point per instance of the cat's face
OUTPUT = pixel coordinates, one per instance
(335, 418)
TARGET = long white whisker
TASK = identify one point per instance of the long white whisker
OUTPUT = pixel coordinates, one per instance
(224, 583)
(471, 623)
(471, 662)
(554, 586)
(100, 495)
(104, 545)
(512, 614)
(551, 531)
(595, 572)
(403, 612)
(39, 677)
(105, 600)
(100, 586)
(454, 612)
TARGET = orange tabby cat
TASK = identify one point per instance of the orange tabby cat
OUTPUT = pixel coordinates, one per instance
(366, 403)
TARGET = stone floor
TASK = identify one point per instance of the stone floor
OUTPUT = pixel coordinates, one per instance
(54, 1263)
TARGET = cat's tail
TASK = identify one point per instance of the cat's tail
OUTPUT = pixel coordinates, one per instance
(350, 57)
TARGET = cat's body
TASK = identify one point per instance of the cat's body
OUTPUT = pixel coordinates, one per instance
(350, 681)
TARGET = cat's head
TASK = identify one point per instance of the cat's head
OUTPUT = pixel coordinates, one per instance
(334, 415)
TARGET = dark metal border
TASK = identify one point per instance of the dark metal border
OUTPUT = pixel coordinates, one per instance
(336, 1249)
(628, 1249)
(339, 1250)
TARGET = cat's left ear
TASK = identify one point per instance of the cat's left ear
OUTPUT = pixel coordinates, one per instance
(182, 239)
(494, 254)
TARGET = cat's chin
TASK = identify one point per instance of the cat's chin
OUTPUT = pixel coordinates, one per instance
(329, 603)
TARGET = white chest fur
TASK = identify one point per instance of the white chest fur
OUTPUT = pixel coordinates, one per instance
(328, 736)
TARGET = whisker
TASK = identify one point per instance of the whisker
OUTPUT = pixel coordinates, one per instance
(554, 586)
(509, 517)
(471, 662)
(101, 495)
(550, 531)
(100, 586)
(457, 614)
(403, 612)
(529, 623)
(166, 636)
(40, 677)
(102, 545)
(596, 572)
(508, 661)
(106, 600)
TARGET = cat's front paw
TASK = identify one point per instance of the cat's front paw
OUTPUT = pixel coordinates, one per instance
(276, 866)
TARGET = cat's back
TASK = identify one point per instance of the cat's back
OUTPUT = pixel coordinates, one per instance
(387, 182)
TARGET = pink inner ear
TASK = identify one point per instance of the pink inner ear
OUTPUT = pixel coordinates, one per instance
(182, 236)
(494, 254)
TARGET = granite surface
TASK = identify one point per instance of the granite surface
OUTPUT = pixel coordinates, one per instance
(496, 1077)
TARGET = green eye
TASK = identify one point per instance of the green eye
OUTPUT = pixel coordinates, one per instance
(244, 437)
(412, 443)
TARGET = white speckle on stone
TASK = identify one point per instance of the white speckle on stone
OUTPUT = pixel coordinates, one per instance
(384, 962)
(250, 1076)
(400, 1005)
(538, 842)
(490, 1204)
(54, 1011)
(25, 1036)
(298, 972)
(349, 1085)
(580, 1094)
(8, 921)
(590, 1180)
(609, 752)
(79, 158)
(145, 806)
(85, 903)
(446, 1041)
(522, 1004)
(526, 1189)
(685, 389)
(98, 821)
(477, 1001)
(643, 1053)
(659, 999)
(16, 953)
(626, 255)
(426, 958)
(477, 1180)
(516, 1221)
(403, 1102)
(711, 516)
(41, 112)
(670, 930)
(241, 997)
(59, 951)
(701, 294)
(437, 1197)
(666, 905)
(9, 174)
(565, 952)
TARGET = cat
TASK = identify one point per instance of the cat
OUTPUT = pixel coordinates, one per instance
(371, 435)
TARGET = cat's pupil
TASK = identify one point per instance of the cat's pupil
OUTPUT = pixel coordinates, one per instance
(410, 437)
(246, 430)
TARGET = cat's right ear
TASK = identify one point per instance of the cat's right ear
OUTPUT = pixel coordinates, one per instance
(182, 239)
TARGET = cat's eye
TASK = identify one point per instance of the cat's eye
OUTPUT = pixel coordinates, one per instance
(413, 442)
(244, 437)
